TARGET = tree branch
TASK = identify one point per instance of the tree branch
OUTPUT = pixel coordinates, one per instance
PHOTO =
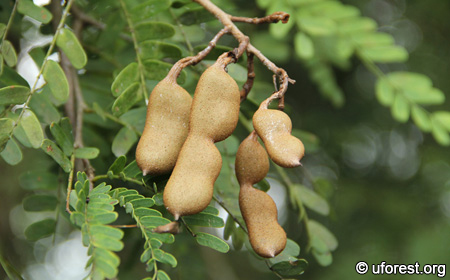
(227, 22)
(273, 18)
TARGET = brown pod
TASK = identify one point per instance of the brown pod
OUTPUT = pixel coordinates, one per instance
(258, 209)
(274, 127)
(214, 116)
(166, 128)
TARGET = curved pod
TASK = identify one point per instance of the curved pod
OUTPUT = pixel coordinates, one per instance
(258, 209)
(166, 128)
(274, 127)
(214, 116)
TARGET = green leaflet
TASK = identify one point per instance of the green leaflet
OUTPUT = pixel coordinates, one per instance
(56, 82)
(41, 14)
(211, 241)
(68, 42)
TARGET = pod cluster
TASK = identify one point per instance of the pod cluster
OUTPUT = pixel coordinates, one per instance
(179, 136)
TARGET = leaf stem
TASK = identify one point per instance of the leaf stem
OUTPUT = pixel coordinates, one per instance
(44, 63)
(69, 184)
(136, 49)
(11, 17)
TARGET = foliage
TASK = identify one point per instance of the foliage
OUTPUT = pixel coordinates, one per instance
(87, 112)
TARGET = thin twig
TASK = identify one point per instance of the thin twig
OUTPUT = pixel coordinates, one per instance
(226, 21)
(250, 77)
(41, 70)
(187, 227)
(221, 203)
(193, 60)
(136, 49)
(69, 184)
(273, 18)
(125, 226)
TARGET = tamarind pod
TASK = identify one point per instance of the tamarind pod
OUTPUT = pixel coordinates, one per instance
(260, 213)
(258, 209)
(252, 163)
(215, 108)
(190, 187)
(214, 116)
(274, 127)
(166, 128)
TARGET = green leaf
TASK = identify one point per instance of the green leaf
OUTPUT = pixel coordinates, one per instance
(321, 232)
(63, 140)
(157, 70)
(324, 259)
(40, 229)
(238, 238)
(114, 233)
(304, 46)
(107, 269)
(372, 39)
(229, 227)
(356, 25)
(127, 99)
(211, 241)
(10, 77)
(38, 55)
(87, 152)
(77, 218)
(195, 16)
(38, 180)
(9, 53)
(431, 96)
(204, 220)
(315, 26)
(211, 210)
(40, 203)
(154, 221)
(290, 269)
(44, 108)
(56, 82)
(128, 76)
(106, 242)
(6, 127)
(421, 118)
(384, 92)
(444, 118)
(148, 9)
(142, 212)
(153, 30)
(28, 8)
(439, 131)
(118, 165)
(162, 275)
(106, 255)
(51, 149)
(385, 54)
(31, 128)
(102, 217)
(142, 202)
(158, 50)
(68, 42)
(312, 200)
(12, 153)
(2, 29)
(400, 109)
(164, 257)
(123, 141)
(290, 252)
(14, 95)
(135, 118)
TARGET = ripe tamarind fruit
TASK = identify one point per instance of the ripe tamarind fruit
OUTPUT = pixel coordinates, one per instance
(214, 116)
(166, 127)
(274, 127)
(258, 209)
